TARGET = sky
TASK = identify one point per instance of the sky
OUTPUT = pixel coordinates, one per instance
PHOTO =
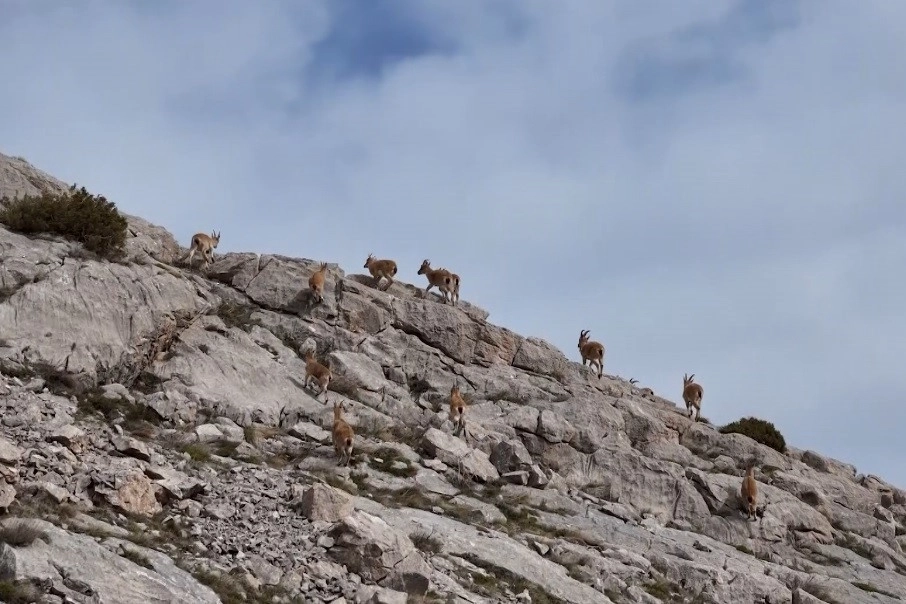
(711, 187)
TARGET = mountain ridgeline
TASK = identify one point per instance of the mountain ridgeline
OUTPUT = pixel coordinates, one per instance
(166, 437)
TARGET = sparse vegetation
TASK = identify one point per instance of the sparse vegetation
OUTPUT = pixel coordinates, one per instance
(137, 419)
(76, 214)
(660, 589)
(236, 315)
(228, 588)
(21, 533)
(759, 430)
(521, 520)
(872, 589)
(490, 586)
(19, 592)
(390, 461)
(426, 543)
(56, 378)
(198, 452)
(232, 589)
(137, 557)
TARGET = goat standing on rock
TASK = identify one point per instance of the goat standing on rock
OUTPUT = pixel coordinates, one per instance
(342, 434)
(315, 371)
(203, 244)
(454, 287)
(316, 283)
(381, 269)
(749, 492)
(457, 411)
(692, 396)
(439, 277)
(592, 352)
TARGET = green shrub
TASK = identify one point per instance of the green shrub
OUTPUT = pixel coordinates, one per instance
(758, 430)
(76, 215)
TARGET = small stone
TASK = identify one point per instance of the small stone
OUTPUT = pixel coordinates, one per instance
(131, 447)
(9, 453)
(69, 436)
(208, 433)
(517, 477)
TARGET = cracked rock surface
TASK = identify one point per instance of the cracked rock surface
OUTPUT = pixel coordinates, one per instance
(158, 444)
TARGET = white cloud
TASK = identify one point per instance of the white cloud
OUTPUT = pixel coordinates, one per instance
(713, 188)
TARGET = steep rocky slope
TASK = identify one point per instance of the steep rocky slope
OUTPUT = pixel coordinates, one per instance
(155, 419)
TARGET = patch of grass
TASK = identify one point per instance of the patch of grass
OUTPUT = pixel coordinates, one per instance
(389, 460)
(758, 430)
(160, 532)
(663, 590)
(402, 433)
(402, 498)
(228, 588)
(136, 557)
(204, 452)
(41, 505)
(76, 215)
(426, 542)
(137, 419)
(231, 589)
(236, 315)
(22, 533)
(489, 585)
(19, 592)
(198, 452)
(224, 448)
(872, 589)
(57, 379)
(520, 520)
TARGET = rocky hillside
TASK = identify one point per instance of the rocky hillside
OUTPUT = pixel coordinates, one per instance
(158, 445)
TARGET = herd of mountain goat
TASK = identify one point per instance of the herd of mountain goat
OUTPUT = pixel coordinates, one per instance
(447, 282)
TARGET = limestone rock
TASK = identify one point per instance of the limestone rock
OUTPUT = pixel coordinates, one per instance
(79, 564)
(369, 546)
(325, 503)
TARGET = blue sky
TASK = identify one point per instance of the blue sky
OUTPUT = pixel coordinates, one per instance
(709, 186)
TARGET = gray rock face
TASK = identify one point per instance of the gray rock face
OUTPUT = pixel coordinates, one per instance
(370, 547)
(159, 407)
(76, 564)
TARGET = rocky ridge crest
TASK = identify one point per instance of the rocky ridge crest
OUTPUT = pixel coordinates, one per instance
(155, 419)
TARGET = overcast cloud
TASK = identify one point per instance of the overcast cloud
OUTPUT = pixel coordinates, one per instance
(709, 186)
